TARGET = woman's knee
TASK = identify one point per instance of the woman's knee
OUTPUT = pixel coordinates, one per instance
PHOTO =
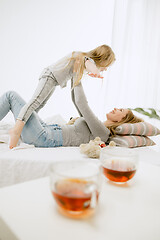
(12, 95)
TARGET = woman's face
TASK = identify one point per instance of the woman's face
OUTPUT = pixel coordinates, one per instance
(117, 114)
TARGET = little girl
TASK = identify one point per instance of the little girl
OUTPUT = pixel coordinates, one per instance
(71, 67)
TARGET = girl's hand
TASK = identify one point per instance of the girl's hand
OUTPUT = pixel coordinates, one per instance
(95, 75)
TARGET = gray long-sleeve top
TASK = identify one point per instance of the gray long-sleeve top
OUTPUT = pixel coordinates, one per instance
(56, 74)
(86, 127)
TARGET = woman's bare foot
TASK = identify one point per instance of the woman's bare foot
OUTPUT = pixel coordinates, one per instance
(15, 133)
(14, 137)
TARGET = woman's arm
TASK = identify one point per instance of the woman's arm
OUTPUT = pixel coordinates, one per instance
(96, 127)
(73, 98)
(93, 72)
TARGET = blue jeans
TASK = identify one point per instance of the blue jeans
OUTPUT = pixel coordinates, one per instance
(35, 131)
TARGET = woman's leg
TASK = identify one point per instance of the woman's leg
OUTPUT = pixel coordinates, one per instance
(10, 101)
(33, 128)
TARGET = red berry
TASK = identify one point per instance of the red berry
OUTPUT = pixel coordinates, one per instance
(102, 145)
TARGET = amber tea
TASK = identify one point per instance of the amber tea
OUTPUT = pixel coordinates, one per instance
(119, 164)
(75, 186)
(119, 172)
(72, 198)
(71, 195)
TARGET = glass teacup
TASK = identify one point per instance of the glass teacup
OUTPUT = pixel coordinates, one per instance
(119, 164)
(75, 186)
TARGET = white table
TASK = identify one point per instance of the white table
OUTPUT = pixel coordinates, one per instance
(128, 212)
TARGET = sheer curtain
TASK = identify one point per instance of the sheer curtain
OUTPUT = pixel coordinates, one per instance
(35, 34)
(134, 79)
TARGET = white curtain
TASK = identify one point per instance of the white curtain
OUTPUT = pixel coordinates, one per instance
(35, 34)
(134, 79)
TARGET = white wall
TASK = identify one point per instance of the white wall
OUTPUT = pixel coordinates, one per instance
(36, 33)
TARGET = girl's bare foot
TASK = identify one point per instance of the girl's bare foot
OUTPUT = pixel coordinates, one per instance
(14, 137)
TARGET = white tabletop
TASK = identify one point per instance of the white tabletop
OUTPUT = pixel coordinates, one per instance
(130, 211)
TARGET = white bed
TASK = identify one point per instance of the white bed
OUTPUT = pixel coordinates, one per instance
(27, 163)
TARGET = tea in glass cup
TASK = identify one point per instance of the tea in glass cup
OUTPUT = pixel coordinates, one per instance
(119, 164)
(75, 186)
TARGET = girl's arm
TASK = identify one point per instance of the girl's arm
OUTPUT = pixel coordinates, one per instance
(96, 127)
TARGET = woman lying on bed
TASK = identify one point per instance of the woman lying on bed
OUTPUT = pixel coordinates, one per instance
(85, 128)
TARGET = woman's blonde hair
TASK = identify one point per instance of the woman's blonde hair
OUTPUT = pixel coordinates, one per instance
(103, 56)
(129, 118)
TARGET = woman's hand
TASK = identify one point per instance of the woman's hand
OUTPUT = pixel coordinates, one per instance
(72, 121)
(95, 75)
(92, 69)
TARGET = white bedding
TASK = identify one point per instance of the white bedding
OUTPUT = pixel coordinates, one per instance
(31, 163)
(26, 162)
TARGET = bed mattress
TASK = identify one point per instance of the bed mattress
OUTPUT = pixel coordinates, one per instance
(26, 164)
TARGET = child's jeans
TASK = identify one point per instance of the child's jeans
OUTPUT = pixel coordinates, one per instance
(35, 131)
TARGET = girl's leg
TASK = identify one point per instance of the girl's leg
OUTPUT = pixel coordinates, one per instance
(33, 128)
(46, 86)
(44, 90)
(45, 101)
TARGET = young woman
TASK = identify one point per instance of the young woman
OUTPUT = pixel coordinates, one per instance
(72, 67)
(84, 129)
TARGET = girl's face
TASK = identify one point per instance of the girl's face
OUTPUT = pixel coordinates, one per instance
(117, 114)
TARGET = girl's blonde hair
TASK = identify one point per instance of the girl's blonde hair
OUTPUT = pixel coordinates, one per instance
(129, 118)
(103, 56)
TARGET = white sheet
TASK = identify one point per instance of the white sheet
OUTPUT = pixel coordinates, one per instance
(26, 162)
